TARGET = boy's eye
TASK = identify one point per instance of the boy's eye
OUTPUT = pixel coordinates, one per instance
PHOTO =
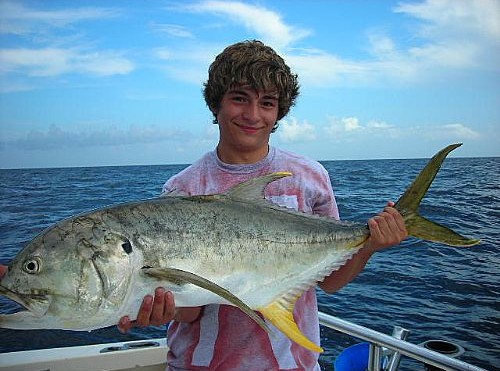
(269, 104)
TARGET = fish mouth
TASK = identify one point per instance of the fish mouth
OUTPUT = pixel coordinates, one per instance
(37, 302)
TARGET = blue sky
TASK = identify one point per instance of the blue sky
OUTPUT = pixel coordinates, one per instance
(90, 83)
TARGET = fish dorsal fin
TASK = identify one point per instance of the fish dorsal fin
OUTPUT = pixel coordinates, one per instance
(280, 314)
(253, 189)
(179, 276)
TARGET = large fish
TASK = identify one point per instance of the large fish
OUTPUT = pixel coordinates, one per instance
(235, 248)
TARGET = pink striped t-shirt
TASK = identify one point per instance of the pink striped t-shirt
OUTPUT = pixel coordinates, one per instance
(223, 337)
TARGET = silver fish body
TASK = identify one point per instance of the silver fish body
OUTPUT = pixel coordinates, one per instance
(90, 267)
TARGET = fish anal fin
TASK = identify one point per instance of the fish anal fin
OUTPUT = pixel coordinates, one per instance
(178, 276)
(280, 314)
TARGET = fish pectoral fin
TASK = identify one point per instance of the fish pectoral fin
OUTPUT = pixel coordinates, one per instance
(179, 276)
(280, 314)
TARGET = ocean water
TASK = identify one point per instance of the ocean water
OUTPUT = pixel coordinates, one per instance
(435, 291)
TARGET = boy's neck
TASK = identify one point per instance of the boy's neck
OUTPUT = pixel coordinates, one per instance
(241, 157)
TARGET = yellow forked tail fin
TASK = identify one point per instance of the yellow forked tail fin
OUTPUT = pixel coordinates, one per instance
(409, 202)
(280, 314)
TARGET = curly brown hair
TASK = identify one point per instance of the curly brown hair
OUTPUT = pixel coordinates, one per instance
(251, 63)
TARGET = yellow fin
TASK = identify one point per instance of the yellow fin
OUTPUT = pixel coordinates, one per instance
(280, 314)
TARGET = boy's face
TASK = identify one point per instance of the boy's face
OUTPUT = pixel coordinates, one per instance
(246, 117)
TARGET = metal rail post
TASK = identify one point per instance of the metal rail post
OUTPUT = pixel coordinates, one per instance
(414, 351)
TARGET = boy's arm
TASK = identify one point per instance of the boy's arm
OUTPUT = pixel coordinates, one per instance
(386, 229)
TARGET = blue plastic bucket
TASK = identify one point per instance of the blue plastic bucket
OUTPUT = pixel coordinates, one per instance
(354, 358)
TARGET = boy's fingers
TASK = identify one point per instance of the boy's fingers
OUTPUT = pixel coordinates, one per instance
(143, 317)
(125, 325)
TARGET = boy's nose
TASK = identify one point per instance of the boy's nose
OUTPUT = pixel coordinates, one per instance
(251, 113)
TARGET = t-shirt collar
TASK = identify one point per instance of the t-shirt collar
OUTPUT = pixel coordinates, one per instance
(245, 168)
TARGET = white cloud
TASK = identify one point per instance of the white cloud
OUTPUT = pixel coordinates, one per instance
(351, 124)
(378, 125)
(44, 27)
(339, 127)
(445, 36)
(267, 24)
(445, 19)
(187, 63)
(454, 33)
(56, 137)
(56, 61)
(320, 68)
(41, 62)
(103, 63)
(173, 30)
(291, 130)
(448, 35)
(352, 127)
(14, 87)
(453, 131)
(15, 18)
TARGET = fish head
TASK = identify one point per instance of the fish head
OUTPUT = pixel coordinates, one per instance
(77, 271)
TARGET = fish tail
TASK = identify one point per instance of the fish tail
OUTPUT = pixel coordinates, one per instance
(407, 205)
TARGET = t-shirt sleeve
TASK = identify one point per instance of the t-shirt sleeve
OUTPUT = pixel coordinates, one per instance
(325, 203)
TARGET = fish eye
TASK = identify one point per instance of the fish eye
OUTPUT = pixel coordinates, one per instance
(32, 265)
(127, 247)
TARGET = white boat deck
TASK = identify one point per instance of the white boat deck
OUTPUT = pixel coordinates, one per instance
(144, 355)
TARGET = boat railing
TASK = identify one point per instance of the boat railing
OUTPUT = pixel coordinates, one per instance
(378, 341)
(150, 354)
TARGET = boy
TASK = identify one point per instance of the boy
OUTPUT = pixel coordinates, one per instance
(249, 89)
